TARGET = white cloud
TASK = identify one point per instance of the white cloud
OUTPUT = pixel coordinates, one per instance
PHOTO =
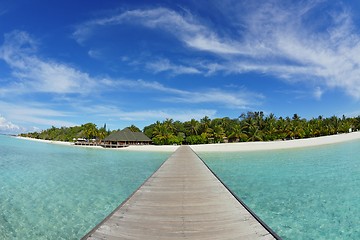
(164, 65)
(151, 115)
(186, 28)
(271, 37)
(181, 115)
(284, 45)
(138, 85)
(8, 127)
(239, 98)
(96, 54)
(318, 93)
(29, 113)
(33, 74)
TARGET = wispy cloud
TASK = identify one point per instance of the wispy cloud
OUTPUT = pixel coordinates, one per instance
(35, 114)
(34, 74)
(271, 37)
(176, 114)
(113, 112)
(329, 58)
(8, 127)
(318, 92)
(164, 65)
(185, 27)
(95, 54)
(240, 99)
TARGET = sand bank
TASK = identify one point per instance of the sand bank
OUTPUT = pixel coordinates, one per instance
(142, 148)
(230, 147)
(45, 141)
(258, 146)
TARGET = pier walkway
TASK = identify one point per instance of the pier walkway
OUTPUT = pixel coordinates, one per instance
(182, 200)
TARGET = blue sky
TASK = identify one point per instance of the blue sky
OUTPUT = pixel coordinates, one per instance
(66, 63)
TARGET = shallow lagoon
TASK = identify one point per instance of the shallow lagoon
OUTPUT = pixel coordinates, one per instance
(308, 193)
(51, 191)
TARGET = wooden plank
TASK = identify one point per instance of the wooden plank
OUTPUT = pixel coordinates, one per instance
(182, 200)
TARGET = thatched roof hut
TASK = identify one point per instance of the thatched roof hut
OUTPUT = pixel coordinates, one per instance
(126, 137)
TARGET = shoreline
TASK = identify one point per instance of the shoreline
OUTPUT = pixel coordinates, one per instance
(226, 147)
(45, 141)
(277, 145)
(138, 148)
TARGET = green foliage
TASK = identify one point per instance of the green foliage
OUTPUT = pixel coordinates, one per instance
(196, 139)
(90, 131)
(149, 130)
(134, 128)
(250, 126)
(68, 134)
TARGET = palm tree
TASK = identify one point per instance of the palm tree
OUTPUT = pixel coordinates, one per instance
(134, 128)
(271, 132)
(254, 134)
(219, 133)
(102, 133)
(169, 123)
(237, 133)
(282, 126)
(225, 122)
(193, 126)
(296, 117)
(334, 123)
(296, 132)
(296, 127)
(162, 135)
(356, 122)
(205, 123)
(90, 130)
(259, 119)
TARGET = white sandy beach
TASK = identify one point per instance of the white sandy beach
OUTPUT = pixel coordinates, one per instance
(231, 147)
(45, 141)
(258, 146)
(143, 148)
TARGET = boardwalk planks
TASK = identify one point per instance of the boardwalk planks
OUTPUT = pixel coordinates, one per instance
(182, 200)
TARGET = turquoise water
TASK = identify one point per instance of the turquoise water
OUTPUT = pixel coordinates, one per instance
(308, 193)
(59, 192)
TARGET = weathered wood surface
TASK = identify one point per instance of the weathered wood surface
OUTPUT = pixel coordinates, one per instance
(182, 200)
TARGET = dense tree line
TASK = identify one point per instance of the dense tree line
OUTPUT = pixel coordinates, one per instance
(68, 134)
(87, 131)
(251, 126)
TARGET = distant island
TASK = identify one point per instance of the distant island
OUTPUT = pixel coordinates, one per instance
(248, 127)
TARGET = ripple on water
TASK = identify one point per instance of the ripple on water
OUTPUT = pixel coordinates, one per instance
(49, 191)
(309, 193)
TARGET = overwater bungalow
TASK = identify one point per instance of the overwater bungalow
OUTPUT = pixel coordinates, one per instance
(124, 138)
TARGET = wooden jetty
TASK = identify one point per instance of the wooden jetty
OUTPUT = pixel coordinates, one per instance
(183, 199)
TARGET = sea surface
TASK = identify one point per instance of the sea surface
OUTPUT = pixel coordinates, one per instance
(50, 191)
(307, 193)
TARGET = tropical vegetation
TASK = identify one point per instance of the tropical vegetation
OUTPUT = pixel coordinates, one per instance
(69, 134)
(250, 126)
